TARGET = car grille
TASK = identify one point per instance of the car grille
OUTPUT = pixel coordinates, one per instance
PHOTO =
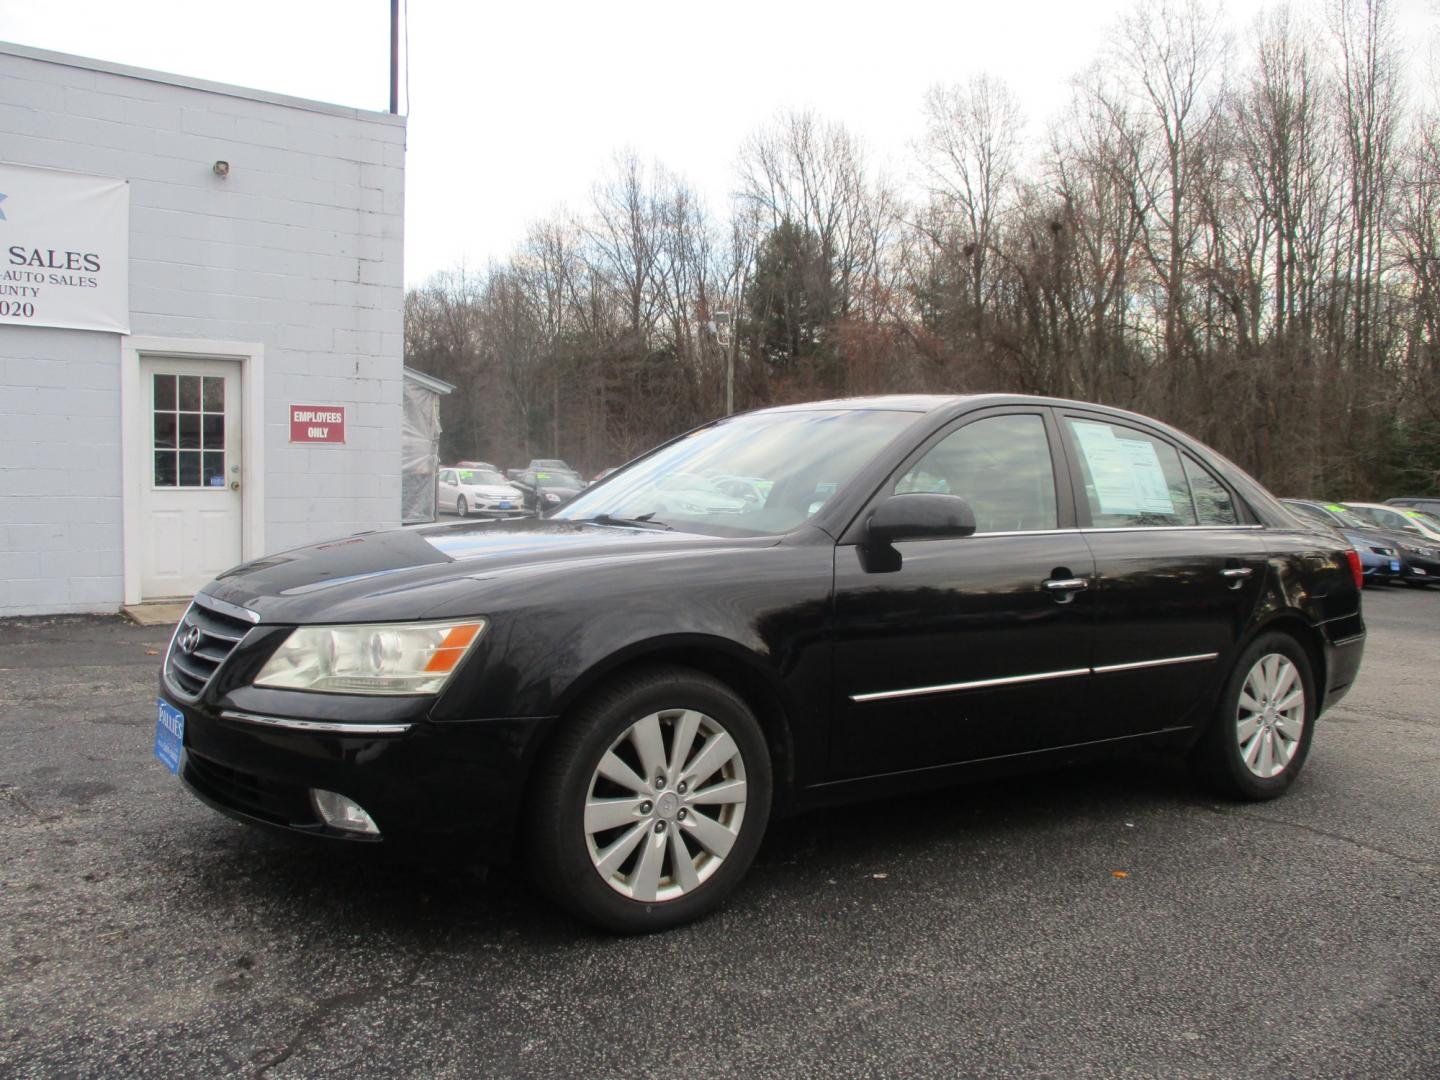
(282, 804)
(203, 641)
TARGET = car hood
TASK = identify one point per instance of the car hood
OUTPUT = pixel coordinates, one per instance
(440, 570)
(492, 491)
(1363, 539)
(1396, 539)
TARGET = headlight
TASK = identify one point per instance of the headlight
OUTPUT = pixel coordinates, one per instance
(551, 497)
(1423, 552)
(398, 658)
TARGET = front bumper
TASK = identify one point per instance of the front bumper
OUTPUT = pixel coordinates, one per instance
(1417, 568)
(419, 780)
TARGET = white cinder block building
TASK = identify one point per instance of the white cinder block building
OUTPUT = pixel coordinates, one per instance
(201, 305)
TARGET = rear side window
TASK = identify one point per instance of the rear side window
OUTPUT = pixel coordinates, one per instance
(1001, 465)
(1131, 479)
(1213, 504)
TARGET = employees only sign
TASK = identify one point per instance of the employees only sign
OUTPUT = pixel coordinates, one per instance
(317, 423)
(64, 250)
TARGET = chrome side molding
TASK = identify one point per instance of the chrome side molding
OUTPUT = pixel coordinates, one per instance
(316, 727)
(1043, 676)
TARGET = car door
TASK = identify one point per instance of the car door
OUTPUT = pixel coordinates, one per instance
(959, 649)
(1179, 568)
(528, 487)
(449, 490)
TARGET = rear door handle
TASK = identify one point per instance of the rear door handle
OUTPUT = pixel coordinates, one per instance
(1069, 584)
(1236, 576)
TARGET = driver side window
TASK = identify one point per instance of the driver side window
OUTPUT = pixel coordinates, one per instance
(1001, 465)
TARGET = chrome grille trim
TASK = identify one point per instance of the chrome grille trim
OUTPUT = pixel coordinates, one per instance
(220, 628)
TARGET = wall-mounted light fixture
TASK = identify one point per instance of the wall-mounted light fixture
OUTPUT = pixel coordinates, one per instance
(221, 168)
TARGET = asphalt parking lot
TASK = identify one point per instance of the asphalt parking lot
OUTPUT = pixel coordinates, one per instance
(1109, 922)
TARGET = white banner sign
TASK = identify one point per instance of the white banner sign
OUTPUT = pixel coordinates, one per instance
(64, 250)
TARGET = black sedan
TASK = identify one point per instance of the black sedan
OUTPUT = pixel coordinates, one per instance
(545, 489)
(622, 693)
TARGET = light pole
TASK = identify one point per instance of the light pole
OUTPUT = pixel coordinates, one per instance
(724, 334)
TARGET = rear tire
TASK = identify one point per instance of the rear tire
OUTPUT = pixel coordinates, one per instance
(462, 508)
(1260, 734)
(650, 804)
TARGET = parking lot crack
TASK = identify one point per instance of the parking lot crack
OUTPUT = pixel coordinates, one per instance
(12, 795)
(1411, 860)
(327, 1008)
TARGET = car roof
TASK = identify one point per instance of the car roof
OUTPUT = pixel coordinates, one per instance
(927, 403)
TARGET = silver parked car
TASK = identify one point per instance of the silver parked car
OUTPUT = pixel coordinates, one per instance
(478, 491)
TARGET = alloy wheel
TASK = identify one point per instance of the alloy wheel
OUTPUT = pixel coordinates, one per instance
(665, 805)
(1270, 717)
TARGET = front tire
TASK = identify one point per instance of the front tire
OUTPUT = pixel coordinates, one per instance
(1260, 735)
(462, 508)
(650, 805)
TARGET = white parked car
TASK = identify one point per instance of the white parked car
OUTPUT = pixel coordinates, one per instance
(478, 491)
(1401, 519)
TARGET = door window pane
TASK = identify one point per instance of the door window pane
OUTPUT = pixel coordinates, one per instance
(212, 470)
(1212, 501)
(165, 392)
(189, 392)
(189, 468)
(164, 430)
(189, 431)
(1131, 479)
(1001, 465)
(165, 468)
(213, 397)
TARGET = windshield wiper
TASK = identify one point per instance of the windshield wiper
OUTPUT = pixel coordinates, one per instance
(638, 519)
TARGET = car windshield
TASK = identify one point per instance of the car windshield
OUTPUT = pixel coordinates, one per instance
(753, 475)
(1429, 520)
(1348, 517)
(1384, 517)
(480, 476)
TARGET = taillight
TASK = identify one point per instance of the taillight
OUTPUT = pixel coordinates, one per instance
(1353, 558)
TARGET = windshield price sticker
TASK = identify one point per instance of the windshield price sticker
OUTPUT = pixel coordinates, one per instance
(1128, 476)
(317, 423)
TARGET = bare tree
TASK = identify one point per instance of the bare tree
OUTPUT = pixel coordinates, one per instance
(970, 155)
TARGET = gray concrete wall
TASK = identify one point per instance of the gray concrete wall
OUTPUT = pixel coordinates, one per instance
(299, 249)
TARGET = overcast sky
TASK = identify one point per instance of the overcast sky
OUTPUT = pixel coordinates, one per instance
(516, 109)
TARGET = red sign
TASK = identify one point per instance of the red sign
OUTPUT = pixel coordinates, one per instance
(317, 423)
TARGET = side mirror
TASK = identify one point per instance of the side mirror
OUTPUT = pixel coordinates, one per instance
(920, 516)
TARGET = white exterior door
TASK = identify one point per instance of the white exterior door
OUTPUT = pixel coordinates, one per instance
(190, 498)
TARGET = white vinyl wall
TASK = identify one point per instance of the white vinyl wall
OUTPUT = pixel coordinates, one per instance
(296, 253)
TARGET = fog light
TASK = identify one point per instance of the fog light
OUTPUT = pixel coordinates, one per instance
(341, 813)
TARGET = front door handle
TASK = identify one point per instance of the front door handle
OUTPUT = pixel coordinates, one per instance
(1069, 584)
